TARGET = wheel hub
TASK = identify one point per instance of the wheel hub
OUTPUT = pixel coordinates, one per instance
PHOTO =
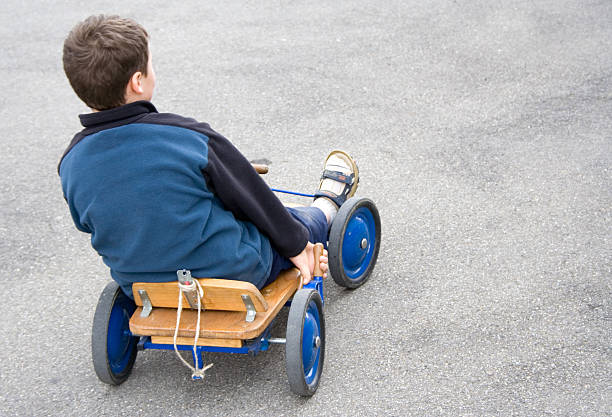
(356, 246)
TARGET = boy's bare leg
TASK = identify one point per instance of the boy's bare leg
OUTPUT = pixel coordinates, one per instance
(328, 207)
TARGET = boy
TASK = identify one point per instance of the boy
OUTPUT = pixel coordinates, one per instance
(159, 192)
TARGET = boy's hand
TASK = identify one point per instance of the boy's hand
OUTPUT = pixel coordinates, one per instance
(304, 261)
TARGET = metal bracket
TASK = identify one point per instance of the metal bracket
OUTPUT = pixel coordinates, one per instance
(184, 277)
(248, 303)
(146, 303)
(141, 342)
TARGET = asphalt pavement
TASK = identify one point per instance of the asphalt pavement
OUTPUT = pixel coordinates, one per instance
(483, 132)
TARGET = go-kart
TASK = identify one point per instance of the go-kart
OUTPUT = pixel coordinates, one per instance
(220, 315)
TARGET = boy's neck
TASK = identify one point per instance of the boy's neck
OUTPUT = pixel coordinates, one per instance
(126, 102)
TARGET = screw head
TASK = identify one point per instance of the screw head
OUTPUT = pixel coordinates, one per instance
(364, 243)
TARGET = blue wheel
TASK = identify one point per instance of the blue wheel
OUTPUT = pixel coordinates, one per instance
(113, 347)
(354, 242)
(305, 342)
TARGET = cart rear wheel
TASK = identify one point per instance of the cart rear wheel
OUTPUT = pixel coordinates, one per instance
(113, 347)
(305, 342)
(354, 242)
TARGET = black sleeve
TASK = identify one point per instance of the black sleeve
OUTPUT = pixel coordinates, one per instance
(241, 189)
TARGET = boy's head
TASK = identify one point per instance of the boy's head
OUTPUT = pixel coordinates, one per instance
(107, 61)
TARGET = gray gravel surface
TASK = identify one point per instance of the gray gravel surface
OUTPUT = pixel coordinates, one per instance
(483, 132)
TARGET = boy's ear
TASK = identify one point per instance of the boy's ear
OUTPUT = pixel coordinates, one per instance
(135, 84)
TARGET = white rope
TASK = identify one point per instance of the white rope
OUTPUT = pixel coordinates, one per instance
(197, 372)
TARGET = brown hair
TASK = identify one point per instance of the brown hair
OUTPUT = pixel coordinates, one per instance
(101, 54)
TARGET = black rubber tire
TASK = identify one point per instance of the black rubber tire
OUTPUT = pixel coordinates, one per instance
(294, 340)
(337, 234)
(111, 295)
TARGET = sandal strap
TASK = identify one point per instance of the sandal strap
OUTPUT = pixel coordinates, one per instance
(338, 200)
(341, 177)
(338, 176)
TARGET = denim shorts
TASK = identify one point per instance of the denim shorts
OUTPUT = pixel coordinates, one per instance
(314, 220)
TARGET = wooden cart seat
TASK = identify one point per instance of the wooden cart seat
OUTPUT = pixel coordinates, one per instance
(223, 320)
(219, 294)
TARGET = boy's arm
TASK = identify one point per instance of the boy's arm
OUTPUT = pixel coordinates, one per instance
(241, 189)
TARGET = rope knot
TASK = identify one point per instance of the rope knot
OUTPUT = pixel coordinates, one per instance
(189, 286)
(198, 374)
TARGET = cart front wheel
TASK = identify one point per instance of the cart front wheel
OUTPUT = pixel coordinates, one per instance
(305, 342)
(113, 347)
(354, 242)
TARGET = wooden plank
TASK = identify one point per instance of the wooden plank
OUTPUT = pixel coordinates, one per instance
(169, 340)
(218, 324)
(219, 294)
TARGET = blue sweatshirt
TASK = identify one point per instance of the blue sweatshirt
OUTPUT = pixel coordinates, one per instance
(160, 192)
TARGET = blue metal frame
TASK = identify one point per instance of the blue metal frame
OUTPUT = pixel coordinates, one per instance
(317, 284)
(254, 346)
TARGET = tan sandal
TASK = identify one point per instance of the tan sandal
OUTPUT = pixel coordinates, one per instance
(339, 180)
